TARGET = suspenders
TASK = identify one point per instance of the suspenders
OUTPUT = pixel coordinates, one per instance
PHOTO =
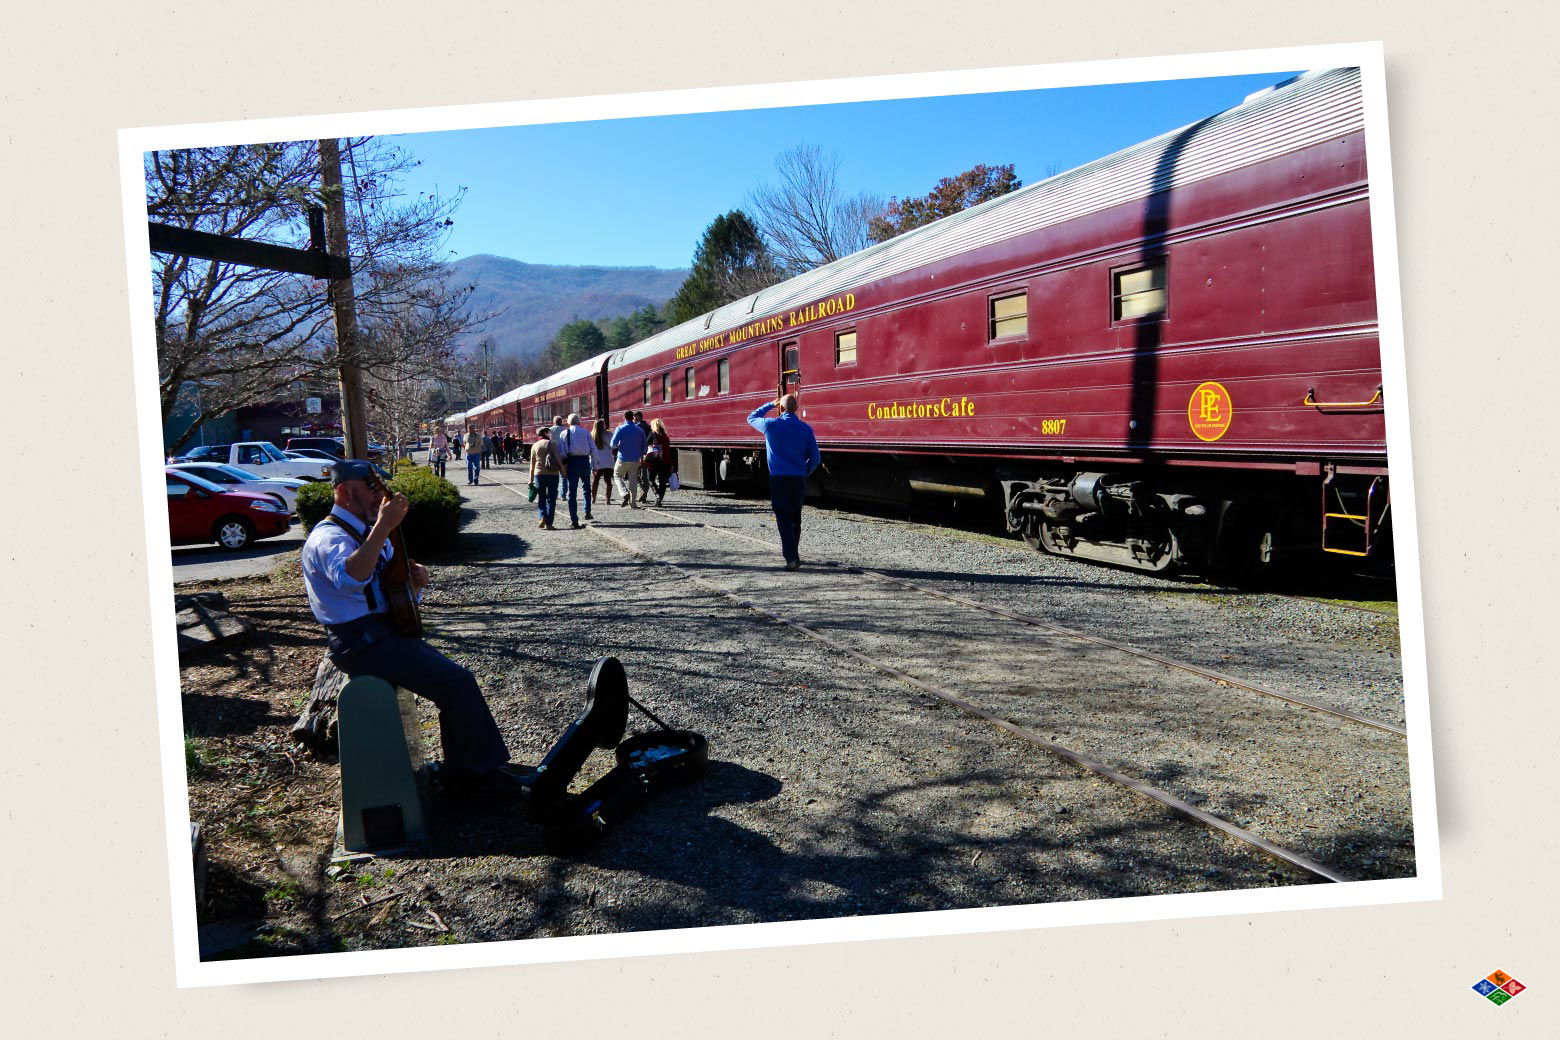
(368, 590)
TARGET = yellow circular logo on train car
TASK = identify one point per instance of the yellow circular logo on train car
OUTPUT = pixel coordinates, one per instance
(1209, 411)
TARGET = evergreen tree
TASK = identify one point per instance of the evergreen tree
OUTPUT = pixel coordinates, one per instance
(577, 341)
(646, 322)
(620, 333)
(731, 262)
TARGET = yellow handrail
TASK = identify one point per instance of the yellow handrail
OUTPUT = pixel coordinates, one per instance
(1312, 402)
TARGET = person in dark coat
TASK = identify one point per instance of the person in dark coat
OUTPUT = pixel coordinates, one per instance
(660, 459)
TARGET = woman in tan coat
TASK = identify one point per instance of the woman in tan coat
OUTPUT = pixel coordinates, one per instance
(546, 468)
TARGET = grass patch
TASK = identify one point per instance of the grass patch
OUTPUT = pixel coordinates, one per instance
(1386, 607)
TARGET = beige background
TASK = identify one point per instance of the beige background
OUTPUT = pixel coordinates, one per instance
(87, 938)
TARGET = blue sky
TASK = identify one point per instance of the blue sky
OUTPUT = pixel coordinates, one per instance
(639, 192)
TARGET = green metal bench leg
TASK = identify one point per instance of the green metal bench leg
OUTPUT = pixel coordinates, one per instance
(383, 795)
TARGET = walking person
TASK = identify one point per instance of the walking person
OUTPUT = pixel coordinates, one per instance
(628, 441)
(660, 459)
(600, 463)
(455, 445)
(576, 467)
(473, 456)
(546, 467)
(556, 432)
(792, 451)
(644, 473)
(438, 450)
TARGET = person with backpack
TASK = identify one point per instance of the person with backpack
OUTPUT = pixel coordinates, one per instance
(660, 459)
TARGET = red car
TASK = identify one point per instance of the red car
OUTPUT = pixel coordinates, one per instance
(200, 511)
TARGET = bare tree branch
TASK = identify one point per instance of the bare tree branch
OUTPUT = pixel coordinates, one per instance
(805, 219)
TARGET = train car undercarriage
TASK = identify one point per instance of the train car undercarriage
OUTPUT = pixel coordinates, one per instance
(1238, 526)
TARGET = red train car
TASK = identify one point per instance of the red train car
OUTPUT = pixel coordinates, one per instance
(577, 390)
(1168, 357)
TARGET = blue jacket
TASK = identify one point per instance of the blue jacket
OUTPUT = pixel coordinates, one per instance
(629, 440)
(791, 446)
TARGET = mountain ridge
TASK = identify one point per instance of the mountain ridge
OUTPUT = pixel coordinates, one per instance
(533, 301)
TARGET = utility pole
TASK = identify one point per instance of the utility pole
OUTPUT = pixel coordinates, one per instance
(354, 419)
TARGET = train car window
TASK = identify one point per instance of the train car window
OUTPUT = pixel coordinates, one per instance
(723, 376)
(1009, 315)
(666, 387)
(647, 392)
(1138, 292)
(845, 348)
(688, 375)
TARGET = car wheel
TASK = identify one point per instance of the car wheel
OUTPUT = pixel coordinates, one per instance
(234, 532)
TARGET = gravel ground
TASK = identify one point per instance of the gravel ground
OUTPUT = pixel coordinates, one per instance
(1331, 790)
(833, 790)
(1335, 655)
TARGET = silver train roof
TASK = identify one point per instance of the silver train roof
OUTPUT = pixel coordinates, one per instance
(1306, 110)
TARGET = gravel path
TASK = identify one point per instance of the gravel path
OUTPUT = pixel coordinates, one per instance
(832, 790)
(1332, 790)
(1335, 655)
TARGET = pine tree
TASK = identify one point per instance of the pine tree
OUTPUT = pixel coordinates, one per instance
(731, 262)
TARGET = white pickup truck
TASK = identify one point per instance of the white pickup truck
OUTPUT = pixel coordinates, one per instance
(264, 458)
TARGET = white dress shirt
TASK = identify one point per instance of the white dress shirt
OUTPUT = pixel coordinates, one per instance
(334, 595)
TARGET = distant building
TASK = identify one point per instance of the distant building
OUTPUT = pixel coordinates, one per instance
(273, 421)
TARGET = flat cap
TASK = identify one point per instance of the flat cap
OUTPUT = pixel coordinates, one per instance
(350, 469)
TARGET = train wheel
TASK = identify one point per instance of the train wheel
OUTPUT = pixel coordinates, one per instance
(1029, 531)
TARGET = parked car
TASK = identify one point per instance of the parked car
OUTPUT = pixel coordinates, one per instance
(265, 459)
(313, 453)
(206, 453)
(335, 447)
(283, 489)
(200, 511)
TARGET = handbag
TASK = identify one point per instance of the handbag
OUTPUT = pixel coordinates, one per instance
(530, 493)
(675, 483)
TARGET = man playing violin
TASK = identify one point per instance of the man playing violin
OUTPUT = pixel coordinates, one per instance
(343, 562)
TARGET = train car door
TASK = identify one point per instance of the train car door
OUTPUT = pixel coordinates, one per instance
(601, 391)
(790, 367)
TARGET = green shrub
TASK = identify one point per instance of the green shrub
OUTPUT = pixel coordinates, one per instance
(314, 502)
(433, 523)
(430, 527)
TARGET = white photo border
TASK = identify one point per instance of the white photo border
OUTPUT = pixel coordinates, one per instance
(1426, 885)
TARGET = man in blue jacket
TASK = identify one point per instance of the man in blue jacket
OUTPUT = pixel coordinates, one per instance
(793, 454)
(628, 442)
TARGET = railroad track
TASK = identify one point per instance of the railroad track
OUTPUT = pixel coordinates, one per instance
(1158, 796)
(1028, 619)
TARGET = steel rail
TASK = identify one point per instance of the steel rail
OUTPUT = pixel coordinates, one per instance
(1029, 619)
(1136, 786)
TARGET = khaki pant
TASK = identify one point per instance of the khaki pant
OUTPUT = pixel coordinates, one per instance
(628, 480)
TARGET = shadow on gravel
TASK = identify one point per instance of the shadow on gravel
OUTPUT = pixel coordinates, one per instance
(478, 547)
(477, 830)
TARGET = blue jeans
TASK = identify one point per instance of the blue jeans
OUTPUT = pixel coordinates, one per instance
(786, 495)
(470, 737)
(546, 497)
(473, 467)
(576, 474)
